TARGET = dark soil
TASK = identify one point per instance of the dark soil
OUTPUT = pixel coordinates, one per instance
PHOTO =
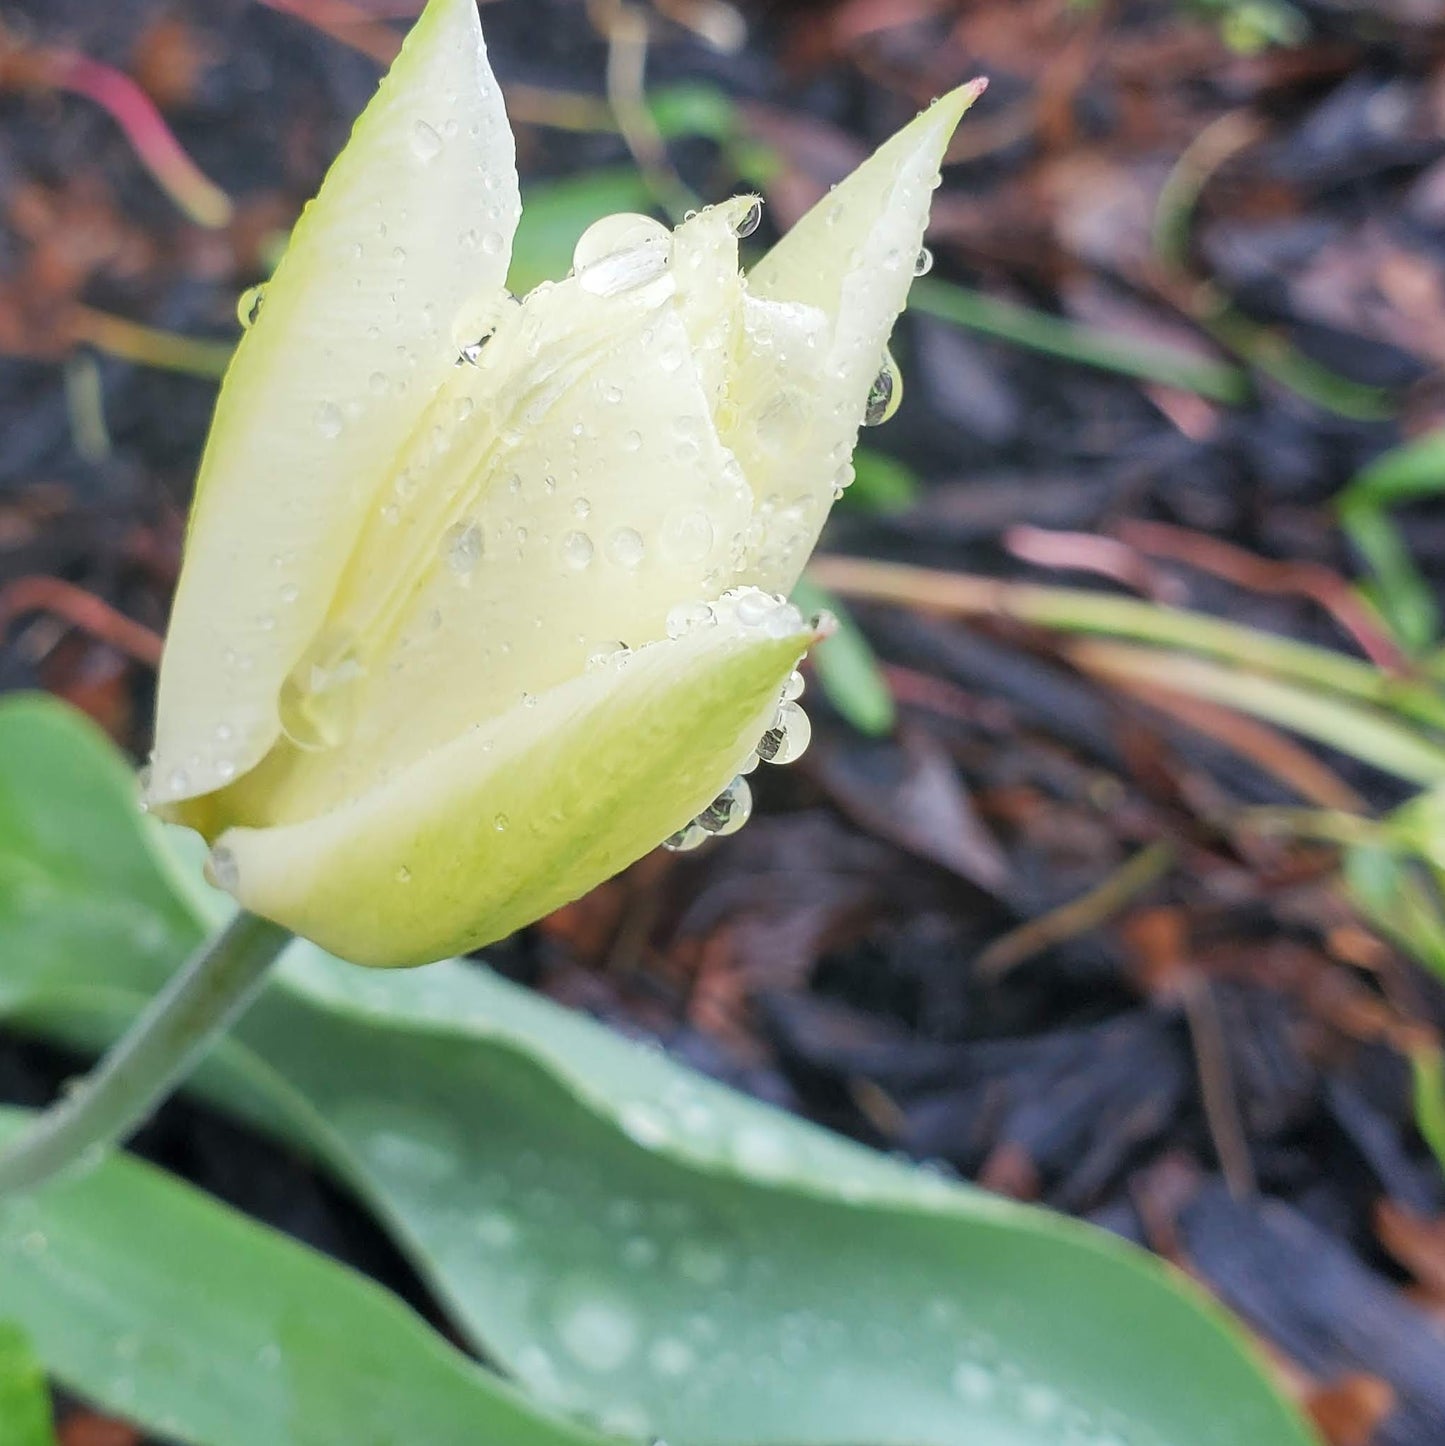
(1215, 1067)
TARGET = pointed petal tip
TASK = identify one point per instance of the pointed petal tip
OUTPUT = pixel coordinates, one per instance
(952, 107)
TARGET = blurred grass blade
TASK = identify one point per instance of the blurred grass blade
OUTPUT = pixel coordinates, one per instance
(1411, 473)
(634, 1242)
(1058, 337)
(1390, 893)
(846, 668)
(25, 1418)
(1427, 1066)
(1372, 737)
(1398, 592)
(1074, 610)
(169, 1308)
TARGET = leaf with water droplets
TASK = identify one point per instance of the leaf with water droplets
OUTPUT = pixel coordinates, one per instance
(169, 1308)
(633, 1242)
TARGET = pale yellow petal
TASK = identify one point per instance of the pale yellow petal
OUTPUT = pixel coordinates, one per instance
(352, 338)
(517, 817)
(566, 495)
(851, 260)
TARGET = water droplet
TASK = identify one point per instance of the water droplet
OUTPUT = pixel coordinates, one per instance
(426, 144)
(793, 688)
(379, 384)
(642, 1124)
(1039, 1404)
(625, 547)
(701, 1262)
(687, 616)
(595, 1325)
(782, 621)
(750, 220)
(224, 871)
(500, 823)
(729, 811)
(687, 536)
(762, 1152)
(403, 875)
(248, 305)
(883, 396)
(621, 253)
(602, 653)
(632, 442)
(789, 736)
(972, 1382)
(685, 839)
(462, 548)
(329, 419)
(496, 1230)
(669, 1356)
(319, 698)
(477, 322)
(179, 781)
(923, 262)
(576, 550)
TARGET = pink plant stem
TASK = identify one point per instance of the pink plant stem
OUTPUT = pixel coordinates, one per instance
(144, 126)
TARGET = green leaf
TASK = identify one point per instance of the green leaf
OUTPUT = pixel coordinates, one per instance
(632, 1241)
(25, 1418)
(846, 667)
(165, 1306)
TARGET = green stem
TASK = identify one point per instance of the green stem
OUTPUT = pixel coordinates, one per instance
(180, 1023)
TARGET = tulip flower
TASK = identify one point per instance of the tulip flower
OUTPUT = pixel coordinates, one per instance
(483, 598)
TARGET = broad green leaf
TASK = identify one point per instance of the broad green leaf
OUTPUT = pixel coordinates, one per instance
(25, 1418)
(633, 1242)
(167, 1307)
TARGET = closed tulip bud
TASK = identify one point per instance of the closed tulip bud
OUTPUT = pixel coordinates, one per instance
(482, 598)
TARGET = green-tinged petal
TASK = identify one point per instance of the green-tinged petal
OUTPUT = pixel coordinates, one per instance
(525, 813)
(565, 495)
(851, 258)
(353, 337)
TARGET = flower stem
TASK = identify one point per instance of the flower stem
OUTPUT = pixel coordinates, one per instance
(181, 1022)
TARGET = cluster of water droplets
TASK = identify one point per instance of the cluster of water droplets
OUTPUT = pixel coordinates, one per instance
(785, 739)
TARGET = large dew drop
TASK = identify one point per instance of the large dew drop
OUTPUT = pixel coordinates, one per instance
(248, 305)
(885, 395)
(621, 253)
(729, 811)
(788, 737)
(319, 698)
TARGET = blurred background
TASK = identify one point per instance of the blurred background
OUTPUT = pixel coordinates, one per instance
(1063, 915)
